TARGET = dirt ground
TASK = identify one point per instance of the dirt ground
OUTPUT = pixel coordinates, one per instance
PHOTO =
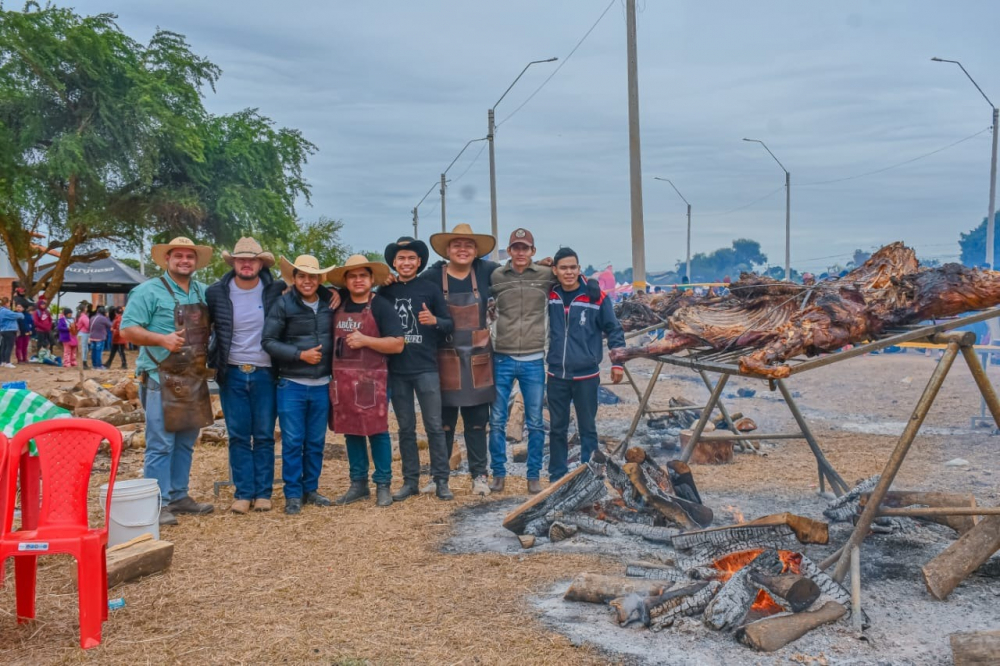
(366, 585)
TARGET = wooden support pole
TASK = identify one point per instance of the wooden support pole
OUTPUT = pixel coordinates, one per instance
(826, 469)
(941, 511)
(643, 404)
(983, 382)
(896, 459)
(721, 405)
(706, 415)
(856, 617)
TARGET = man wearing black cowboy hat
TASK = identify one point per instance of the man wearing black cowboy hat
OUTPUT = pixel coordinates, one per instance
(424, 316)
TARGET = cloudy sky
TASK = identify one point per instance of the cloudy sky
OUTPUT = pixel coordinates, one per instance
(391, 91)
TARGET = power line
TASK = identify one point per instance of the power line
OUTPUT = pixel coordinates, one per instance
(560, 65)
(899, 164)
(481, 149)
(746, 205)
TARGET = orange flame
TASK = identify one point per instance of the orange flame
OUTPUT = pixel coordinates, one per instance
(737, 514)
(764, 604)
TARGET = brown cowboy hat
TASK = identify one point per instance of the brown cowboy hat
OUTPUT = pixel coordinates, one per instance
(248, 248)
(159, 252)
(305, 263)
(380, 270)
(484, 242)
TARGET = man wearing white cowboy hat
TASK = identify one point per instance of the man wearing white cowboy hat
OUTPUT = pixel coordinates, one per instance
(465, 357)
(150, 321)
(298, 335)
(365, 331)
(238, 303)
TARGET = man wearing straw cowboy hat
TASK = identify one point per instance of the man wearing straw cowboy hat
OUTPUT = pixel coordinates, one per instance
(465, 357)
(298, 335)
(365, 330)
(169, 320)
(238, 303)
(424, 316)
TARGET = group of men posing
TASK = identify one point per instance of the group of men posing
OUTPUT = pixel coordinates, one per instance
(316, 358)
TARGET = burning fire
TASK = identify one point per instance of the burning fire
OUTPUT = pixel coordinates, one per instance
(764, 604)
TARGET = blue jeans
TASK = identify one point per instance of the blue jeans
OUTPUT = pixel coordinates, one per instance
(250, 405)
(96, 353)
(302, 412)
(530, 376)
(168, 454)
(357, 457)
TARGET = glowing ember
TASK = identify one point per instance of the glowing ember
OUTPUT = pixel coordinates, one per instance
(764, 604)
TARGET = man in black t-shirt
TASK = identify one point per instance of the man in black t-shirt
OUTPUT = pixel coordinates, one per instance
(424, 317)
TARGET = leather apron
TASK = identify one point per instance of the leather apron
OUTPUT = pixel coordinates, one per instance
(465, 357)
(358, 399)
(184, 374)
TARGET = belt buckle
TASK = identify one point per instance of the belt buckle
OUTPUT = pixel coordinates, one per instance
(247, 368)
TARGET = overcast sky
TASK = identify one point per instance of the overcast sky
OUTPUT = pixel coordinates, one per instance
(391, 91)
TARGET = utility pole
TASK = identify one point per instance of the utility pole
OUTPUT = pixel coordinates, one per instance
(667, 180)
(443, 186)
(416, 220)
(788, 210)
(635, 161)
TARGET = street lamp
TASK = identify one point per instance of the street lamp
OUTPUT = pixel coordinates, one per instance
(416, 218)
(443, 181)
(993, 165)
(491, 128)
(667, 180)
(788, 210)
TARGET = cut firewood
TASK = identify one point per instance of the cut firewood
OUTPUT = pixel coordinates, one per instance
(126, 389)
(798, 591)
(657, 500)
(845, 507)
(946, 571)
(635, 454)
(775, 632)
(630, 608)
(519, 453)
(99, 393)
(904, 498)
(980, 647)
(729, 608)
(806, 530)
(581, 487)
(527, 540)
(456, 459)
(828, 586)
(613, 512)
(662, 535)
(730, 538)
(515, 418)
(134, 559)
(135, 439)
(600, 589)
(653, 571)
(684, 480)
(561, 531)
(745, 424)
(680, 602)
(585, 523)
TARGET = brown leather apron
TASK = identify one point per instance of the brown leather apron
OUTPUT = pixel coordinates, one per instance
(465, 357)
(359, 404)
(184, 374)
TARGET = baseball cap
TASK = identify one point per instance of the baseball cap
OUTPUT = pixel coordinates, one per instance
(521, 236)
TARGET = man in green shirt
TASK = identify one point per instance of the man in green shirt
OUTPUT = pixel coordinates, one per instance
(149, 322)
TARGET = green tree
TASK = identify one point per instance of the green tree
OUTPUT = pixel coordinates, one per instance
(105, 140)
(973, 244)
(741, 256)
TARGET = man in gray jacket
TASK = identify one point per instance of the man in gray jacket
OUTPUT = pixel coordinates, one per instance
(521, 290)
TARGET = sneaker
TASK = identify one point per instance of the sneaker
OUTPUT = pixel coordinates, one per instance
(480, 486)
(187, 504)
(240, 506)
(429, 488)
(167, 518)
(9, 365)
(262, 504)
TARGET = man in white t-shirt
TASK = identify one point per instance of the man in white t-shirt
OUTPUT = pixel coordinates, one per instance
(237, 304)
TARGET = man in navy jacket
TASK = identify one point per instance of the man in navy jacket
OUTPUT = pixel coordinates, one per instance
(578, 325)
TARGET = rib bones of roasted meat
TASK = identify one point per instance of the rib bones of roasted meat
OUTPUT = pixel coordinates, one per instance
(777, 321)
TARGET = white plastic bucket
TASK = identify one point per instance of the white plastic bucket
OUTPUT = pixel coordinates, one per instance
(135, 509)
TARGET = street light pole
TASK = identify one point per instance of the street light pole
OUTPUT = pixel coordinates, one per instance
(688, 269)
(990, 218)
(416, 221)
(635, 161)
(444, 183)
(788, 210)
(490, 131)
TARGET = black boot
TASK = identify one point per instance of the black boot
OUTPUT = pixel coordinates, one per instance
(317, 499)
(357, 491)
(383, 496)
(443, 492)
(408, 489)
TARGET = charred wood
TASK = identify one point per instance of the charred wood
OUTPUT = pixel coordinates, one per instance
(600, 589)
(729, 608)
(616, 513)
(731, 538)
(561, 531)
(828, 586)
(654, 571)
(580, 487)
(798, 592)
(661, 535)
(845, 507)
(775, 632)
(904, 498)
(664, 610)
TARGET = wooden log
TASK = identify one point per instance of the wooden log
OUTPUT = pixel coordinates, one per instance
(664, 610)
(635, 454)
(903, 498)
(845, 507)
(137, 558)
(730, 538)
(653, 571)
(775, 632)
(630, 608)
(798, 591)
(806, 530)
(582, 486)
(729, 608)
(684, 479)
(456, 459)
(102, 395)
(519, 453)
(944, 573)
(661, 535)
(561, 531)
(715, 452)
(609, 511)
(828, 585)
(665, 506)
(745, 424)
(100, 413)
(980, 647)
(126, 389)
(586, 523)
(135, 439)
(120, 419)
(515, 418)
(526, 540)
(600, 589)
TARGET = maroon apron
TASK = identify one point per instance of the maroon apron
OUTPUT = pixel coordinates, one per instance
(465, 357)
(359, 404)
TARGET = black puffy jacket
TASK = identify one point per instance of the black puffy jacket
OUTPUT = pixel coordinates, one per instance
(220, 308)
(291, 327)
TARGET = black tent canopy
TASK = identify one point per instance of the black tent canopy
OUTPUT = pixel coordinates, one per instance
(104, 276)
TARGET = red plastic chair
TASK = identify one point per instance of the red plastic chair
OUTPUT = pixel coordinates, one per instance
(66, 452)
